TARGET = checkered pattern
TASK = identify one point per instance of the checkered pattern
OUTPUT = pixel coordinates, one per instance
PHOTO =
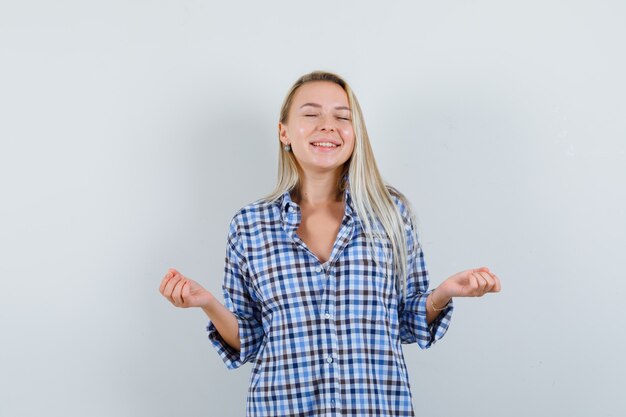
(324, 340)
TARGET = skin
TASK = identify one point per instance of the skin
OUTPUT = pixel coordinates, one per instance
(319, 112)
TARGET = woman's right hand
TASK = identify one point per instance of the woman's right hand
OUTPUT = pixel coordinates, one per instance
(184, 292)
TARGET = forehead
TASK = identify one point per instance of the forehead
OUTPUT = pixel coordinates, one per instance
(325, 93)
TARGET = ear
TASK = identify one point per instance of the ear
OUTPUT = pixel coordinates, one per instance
(282, 133)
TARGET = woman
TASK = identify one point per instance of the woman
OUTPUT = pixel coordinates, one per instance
(325, 278)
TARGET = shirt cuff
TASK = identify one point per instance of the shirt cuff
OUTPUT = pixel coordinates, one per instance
(250, 340)
(425, 334)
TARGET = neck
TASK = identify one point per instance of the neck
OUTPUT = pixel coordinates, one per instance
(318, 188)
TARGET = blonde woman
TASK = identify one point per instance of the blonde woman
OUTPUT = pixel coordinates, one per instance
(325, 278)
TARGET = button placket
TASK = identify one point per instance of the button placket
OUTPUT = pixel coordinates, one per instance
(334, 342)
(326, 304)
(320, 277)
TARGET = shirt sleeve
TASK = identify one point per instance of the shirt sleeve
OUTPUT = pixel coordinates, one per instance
(412, 313)
(238, 299)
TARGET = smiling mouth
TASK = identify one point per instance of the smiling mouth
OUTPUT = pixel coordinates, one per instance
(324, 144)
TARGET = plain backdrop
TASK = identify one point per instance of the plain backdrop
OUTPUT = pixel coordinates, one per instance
(132, 131)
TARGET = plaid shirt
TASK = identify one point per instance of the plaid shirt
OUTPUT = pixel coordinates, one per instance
(324, 339)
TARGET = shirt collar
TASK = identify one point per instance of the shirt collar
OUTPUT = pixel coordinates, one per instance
(289, 208)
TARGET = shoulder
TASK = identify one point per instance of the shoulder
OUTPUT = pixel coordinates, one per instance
(403, 205)
(255, 214)
(408, 218)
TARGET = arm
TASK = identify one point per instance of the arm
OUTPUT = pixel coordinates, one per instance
(235, 329)
(247, 334)
(419, 322)
(438, 302)
(225, 322)
(429, 312)
(469, 283)
(184, 292)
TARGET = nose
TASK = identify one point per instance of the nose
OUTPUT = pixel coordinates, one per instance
(327, 123)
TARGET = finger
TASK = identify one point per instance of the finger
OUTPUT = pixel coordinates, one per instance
(481, 284)
(496, 283)
(176, 294)
(184, 294)
(497, 287)
(165, 279)
(489, 281)
(473, 285)
(171, 273)
(169, 288)
(482, 269)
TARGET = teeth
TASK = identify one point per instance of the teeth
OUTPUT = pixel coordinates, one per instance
(325, 144)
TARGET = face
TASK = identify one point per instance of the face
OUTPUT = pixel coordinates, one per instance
(319, 127)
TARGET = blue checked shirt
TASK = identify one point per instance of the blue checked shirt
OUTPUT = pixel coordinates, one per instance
(324, 339)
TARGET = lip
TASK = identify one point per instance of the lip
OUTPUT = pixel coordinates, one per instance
(323, 149)
(333, 141)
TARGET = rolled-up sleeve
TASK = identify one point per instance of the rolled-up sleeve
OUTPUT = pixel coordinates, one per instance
(239, 300)
(414, 327)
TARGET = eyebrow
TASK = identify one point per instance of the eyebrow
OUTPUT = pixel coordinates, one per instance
(319, 106)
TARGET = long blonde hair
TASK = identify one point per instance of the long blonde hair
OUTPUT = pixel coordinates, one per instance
(371, 197)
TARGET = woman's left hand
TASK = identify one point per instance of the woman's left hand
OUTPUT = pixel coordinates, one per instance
(470, 283)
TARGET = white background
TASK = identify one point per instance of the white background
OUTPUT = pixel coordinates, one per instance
(131, 132)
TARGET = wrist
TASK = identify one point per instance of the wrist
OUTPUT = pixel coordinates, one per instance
(443, 291)
(209, 305)
(439, 300)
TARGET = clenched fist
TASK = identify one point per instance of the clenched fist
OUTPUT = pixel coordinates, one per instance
(470, 283)
(184, 292)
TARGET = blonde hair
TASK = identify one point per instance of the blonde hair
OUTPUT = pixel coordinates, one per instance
(371, 197)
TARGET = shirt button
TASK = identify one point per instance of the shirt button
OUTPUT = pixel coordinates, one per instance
(291, 209)
(318, 269)
(327, 315)
(329, 359)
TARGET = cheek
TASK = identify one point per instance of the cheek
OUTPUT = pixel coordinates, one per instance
(303, 129)
(348, 136)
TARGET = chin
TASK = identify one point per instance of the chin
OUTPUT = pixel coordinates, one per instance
(323, 166)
